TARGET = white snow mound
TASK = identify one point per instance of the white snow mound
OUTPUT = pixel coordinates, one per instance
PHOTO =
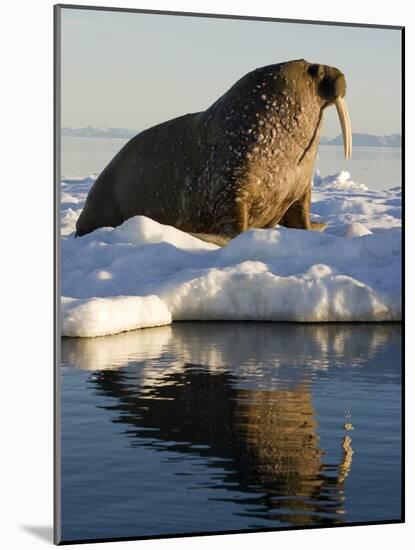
(342, 180)
(144, 274)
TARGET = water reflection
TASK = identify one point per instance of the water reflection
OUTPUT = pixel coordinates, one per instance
(225, 345)
(240, 396)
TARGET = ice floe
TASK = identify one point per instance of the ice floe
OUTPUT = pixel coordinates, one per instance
(144, 274)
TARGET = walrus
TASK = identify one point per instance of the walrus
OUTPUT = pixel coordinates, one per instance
(245, 162)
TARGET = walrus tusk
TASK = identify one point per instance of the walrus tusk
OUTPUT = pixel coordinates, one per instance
(346, 127)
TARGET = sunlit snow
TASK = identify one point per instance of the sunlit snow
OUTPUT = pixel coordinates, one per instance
(144, 274)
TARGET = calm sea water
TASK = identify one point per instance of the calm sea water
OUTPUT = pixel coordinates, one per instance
(202, 427)
(377, 167)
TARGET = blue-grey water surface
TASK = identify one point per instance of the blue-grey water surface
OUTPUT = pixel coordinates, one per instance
(201, 427)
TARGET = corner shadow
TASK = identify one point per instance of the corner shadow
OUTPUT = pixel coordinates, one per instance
(43, 532)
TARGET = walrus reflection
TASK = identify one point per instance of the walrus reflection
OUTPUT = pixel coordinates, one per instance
(239, 394)
(245, 162)
(267, 441)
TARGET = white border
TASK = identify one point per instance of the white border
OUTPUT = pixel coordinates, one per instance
(27, 270)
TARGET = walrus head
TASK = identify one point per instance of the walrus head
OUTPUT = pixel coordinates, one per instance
(331, 88)
(283, 102)
(313, 87)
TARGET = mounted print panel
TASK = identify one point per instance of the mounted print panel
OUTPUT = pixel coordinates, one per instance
(228, 266)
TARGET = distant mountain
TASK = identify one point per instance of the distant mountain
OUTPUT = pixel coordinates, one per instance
(367, 140)
(98, 132)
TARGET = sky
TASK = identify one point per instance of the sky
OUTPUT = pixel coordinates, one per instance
(134, 70)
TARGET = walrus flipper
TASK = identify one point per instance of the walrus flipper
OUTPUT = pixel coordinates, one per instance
(298, 214)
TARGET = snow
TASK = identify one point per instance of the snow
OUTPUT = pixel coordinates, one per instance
(102, 316)
(144, 274)
(338, 181)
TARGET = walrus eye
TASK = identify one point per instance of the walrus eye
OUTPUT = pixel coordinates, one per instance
(316, 71)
